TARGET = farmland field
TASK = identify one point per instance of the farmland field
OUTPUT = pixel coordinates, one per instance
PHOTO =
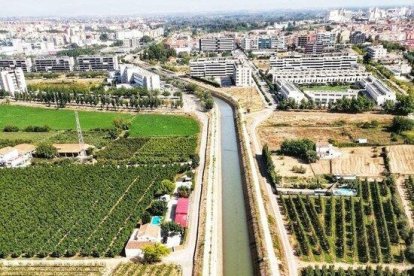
(46, 210)
(370, 227)
(331, 271)
(401, 159)
(146, 125)
(145, 269)
(56, 119)
(323, 126)
(48, 269)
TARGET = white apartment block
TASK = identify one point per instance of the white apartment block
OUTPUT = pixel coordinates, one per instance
(377, 90)
(217, 44)
(318, 76)
(316, 62)
(140, 77)
(54, 64)
(13, 81)
(9, 63)
(222, 67)
(324, 97)
(290, 91)
(327, 39)
(376, 52)
(97, 63)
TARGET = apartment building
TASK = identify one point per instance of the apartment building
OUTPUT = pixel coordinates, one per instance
(315, 62)
(318, 76)
(217, 44)
(289, 91)
(54, 64)
(324, 97)
(263, 42)
(140, 77)
(357, 37)
(97, 63)
(24, 63)
(222, 67)
(314, 48)
(13, 81)
(377, 90)
(328, 39)
(376, 52)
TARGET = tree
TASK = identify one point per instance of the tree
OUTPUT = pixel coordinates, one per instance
(154, 253)
(195, 160)
(171, 228)
(166, 187)
(45, 150)
(409, 253)
(146, 39)
(401, 124)
(146, 217)
(209, 104)
(103, 37)
(183, 191)
(10, 128)
(158, 208)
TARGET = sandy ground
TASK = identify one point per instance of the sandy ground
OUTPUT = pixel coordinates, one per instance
(66, 80)
(263, 64)
(247, 97)
(285, 164)
(401, 159)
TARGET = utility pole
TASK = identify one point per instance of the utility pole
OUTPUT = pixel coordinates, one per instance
(82, 154)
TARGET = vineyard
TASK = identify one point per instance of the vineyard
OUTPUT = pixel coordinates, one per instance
(370, 227)
(144, 270)
(151, 150)
(331, 271)
(67, 210)
(47, 269)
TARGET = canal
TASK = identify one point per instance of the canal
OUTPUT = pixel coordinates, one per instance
(237, 259)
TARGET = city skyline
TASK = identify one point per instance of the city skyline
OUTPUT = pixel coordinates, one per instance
(130, 7)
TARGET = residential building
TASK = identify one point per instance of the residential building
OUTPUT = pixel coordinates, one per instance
(317, 62)
(9, 63)
(290, 91)
(71, 150)
(13, 81)
(147, 234)
(97, 63)
(181, 212)
(318, 76)
(357, 37)
(140, 77)
(324, 97)
(217, 44)
(376, 52)
(327, 151)
(16, 157)
(54, 64)
(328, 39)
(220, 68)
(302, 41)
(314, 48)
(378, 91)
(131, 42)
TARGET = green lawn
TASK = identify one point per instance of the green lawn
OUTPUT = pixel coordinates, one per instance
(56, 119)
(146, 125)
(336, 88)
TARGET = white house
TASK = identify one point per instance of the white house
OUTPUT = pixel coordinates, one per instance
(327, 151)
(173, 241)
(19, 156)
(147, 234)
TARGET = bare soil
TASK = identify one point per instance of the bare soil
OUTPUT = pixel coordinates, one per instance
(401, 159)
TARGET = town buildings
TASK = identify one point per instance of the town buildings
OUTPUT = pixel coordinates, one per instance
(139, 77)
(13, 81)
(54, 64)
(97, 63)
(289, 91)
(240, 73)
(217, 44)
(378, 91)
(319, 76)
(13, 63)
(325, 97)
(376, 52)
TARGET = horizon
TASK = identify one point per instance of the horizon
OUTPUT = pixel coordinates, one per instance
(95, 8)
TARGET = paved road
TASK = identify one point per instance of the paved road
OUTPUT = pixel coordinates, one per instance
(289, 256)
(185, 256)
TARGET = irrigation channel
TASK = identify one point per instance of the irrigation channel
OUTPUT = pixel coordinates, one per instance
(237, 259)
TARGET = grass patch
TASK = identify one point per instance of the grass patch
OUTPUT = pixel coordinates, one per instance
(150, 125)
(22, 117)
(335, 88)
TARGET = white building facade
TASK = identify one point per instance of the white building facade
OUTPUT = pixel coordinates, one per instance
(13, 81)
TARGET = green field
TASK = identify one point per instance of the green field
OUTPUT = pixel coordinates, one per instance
(56, 119)
(336, 88)
(147, 125)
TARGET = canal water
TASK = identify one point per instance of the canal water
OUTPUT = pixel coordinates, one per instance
(237, 259)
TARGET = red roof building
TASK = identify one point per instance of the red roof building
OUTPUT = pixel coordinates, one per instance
(181, 212)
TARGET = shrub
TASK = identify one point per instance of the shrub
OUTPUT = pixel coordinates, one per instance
(158, 208)
(154, 253)
(46, 151)
(401, 124)
(302, 148)
(10, 128)
(44, 128)
(183, 192)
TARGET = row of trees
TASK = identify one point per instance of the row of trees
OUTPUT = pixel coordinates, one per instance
(369, 271)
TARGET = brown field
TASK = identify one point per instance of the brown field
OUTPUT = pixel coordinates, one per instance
(322, 126)
(247, 97)
(263, 64)
(64, 79)
(401, 159)
(284, 165)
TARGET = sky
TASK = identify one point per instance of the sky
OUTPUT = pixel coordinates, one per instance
(131, 7)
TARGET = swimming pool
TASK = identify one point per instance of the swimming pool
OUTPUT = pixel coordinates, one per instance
(156, 220)
(344, 192)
